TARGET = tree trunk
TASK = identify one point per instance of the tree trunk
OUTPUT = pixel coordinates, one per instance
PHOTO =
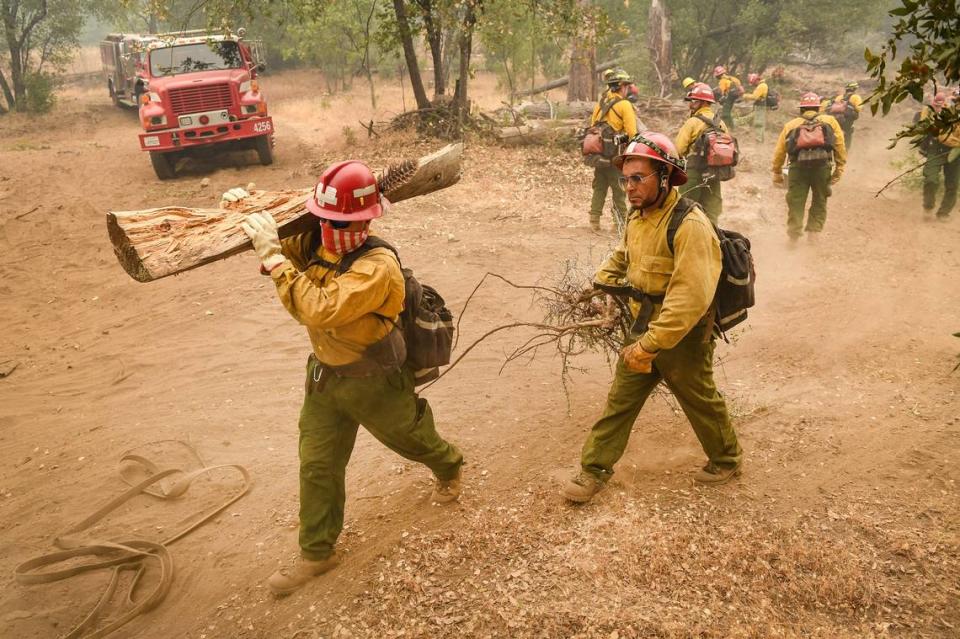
(410, 53)
(435, 41)
(583, 81)
(466, 47)
(17, 79)
(659, 43)
(155, 243)
(7, 93)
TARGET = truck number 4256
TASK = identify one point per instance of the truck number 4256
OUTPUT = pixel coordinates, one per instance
(261, 127)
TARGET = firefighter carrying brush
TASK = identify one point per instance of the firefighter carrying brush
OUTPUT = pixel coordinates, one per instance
(673, 338)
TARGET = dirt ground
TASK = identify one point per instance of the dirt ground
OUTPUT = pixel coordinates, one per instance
(844, 524)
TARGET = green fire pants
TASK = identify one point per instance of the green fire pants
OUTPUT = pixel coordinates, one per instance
(706, 191)
(760, 121)
(333, 408)
(687, 370)
(847, 128)
(936, 165)
(801, 179)
(608, 178)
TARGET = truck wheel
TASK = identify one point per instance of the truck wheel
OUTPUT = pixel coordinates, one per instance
(264, 147)
(163, 165)
(113, 94)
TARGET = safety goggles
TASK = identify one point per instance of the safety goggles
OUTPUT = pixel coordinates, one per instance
(337, 224)
(634, 180)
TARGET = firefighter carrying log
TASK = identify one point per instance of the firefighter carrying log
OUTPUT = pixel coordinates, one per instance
(357, 372)
(613, 116)
(814, 144)
(673, 337)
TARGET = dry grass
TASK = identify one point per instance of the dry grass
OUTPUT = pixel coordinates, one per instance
(663, 563)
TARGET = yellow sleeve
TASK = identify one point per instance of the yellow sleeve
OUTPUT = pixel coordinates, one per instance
(724, 85)
(696, 270)
(761, 92)
(296, 249)
(780, 150)
(596, 114)
(628, 116)
(687, 135)
(840, 148)
(362, 290)
(856, 101)
(613, 271)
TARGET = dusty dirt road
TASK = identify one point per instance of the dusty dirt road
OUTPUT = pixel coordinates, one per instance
(845, 523)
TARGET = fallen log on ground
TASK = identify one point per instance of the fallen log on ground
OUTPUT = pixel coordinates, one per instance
(565, 80)
(155, 243)
(538, 132)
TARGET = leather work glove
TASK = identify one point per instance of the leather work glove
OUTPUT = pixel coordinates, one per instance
(835, 178)
(233, 195)
(778, 178)
(636, 359)
(262, 231)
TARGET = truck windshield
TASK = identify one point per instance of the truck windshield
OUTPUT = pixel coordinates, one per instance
(200, 56)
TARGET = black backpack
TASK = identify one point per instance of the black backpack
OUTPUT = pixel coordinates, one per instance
(426, 322)
(772, 101)
(735, 290)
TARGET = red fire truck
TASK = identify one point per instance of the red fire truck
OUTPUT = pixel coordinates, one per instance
(195, 90)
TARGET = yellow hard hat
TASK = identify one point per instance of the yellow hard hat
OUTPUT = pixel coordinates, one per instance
(687, 82)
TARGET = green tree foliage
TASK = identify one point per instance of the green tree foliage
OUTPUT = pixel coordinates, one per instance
(926, 36)
(751, 34)
(341, 41)
(524, 39)
(39, 38)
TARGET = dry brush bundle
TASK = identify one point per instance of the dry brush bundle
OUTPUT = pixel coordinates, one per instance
(577, 319)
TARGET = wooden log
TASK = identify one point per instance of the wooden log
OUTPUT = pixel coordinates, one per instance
(155, 243)
(565, 80)
(538, 132)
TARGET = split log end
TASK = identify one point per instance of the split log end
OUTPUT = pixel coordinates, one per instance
(126, 253)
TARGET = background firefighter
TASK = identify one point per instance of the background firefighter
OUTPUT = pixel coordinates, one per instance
(701, 185)
(673, 338)
(936, 150)
(616, 111)
(356, 373)
(814, 144)
(729, 91)
(758, 95)
(845, 108)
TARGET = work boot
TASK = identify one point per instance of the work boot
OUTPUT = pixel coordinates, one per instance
(287, 580)
(582, 488)
(716, 475)
(447, 490)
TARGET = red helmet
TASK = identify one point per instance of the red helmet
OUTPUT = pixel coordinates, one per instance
(659, 148)
(809, 100)
(753, 78)
(719, 70)
(700, 92)
(347, 191)
(939, 100)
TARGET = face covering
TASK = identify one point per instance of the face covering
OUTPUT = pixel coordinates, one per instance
(344, 240)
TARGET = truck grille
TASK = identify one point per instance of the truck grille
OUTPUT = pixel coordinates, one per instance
(200, 98)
